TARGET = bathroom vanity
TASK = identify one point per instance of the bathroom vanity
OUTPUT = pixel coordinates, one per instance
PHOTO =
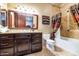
(16, 44)
(19, 43)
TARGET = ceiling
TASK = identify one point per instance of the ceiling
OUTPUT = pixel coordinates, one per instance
(59, 5)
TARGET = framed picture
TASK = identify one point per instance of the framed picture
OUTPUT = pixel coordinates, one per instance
(45, 20)
(3, 17)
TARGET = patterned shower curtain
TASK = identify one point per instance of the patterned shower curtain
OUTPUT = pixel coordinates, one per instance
(75, 12)
(56, 20)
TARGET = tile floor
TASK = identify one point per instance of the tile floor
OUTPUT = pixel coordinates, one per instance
(44, 52)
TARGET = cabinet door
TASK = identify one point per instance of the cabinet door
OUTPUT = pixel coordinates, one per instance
(22, 46)
(6, 45)
(36, 38)
(36, 42)
(36, 47)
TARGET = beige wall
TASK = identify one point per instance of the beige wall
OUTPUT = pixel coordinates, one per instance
(3, 6)
(73, 28)
(42, 9)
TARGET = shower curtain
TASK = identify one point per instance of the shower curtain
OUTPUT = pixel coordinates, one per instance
(56, 20)
(75, 12)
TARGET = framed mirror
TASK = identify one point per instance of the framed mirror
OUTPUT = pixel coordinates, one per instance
(21, 20)
(35, 22)
(3, 17)
(12, 19)
(29, 21)
(32, 21)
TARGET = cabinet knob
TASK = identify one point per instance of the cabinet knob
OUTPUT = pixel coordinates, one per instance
(15, 40)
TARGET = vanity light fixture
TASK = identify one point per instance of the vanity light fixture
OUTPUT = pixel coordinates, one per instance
(25, 9)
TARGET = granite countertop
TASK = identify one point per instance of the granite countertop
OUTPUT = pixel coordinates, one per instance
(21, 31)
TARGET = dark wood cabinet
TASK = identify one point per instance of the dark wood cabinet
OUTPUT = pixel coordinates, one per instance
(6, 45)
(7, 52)
(36, 40)
(36, 47)
(20, 43)
(23, 44)
(22, 47)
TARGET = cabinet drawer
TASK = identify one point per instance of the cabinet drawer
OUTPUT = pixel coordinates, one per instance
(6, 43)
(36, 40)
(37, 46)
(36, 35)
(22, 35)
(6, 36)
(22, 40)
(6, 52)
